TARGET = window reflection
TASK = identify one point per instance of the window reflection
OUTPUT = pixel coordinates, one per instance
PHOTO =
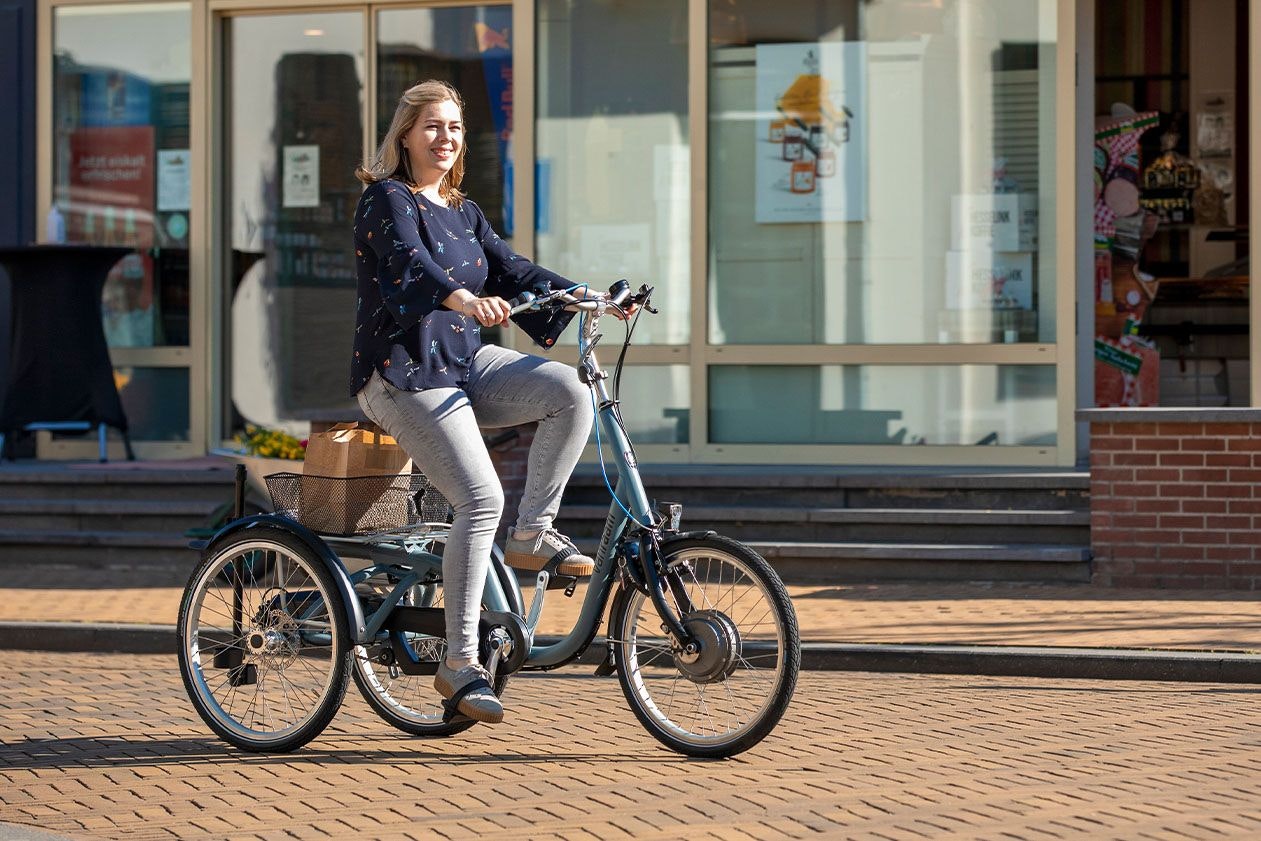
(885, 168)
(121, 157)
(612, 147)
(294, 104)
(470, 47)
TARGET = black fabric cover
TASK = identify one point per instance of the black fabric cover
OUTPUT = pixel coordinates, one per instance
(543, 326)
(59, 367)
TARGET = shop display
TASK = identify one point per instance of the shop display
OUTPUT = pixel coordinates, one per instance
(1127, 366)
(1170, 183)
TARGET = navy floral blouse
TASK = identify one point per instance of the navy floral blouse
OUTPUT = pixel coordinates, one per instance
(411, 254)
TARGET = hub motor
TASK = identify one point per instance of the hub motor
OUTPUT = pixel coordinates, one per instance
(716, 644)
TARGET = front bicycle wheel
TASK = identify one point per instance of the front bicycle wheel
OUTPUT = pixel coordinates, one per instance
(409, 702)
(263, 641)
(728, 695)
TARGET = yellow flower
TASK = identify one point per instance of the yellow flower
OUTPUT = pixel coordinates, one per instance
(271, 443)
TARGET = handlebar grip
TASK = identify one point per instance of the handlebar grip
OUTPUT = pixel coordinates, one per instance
(521, 301)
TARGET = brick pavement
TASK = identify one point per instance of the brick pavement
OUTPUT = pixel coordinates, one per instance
(107, 746)
(945, 612)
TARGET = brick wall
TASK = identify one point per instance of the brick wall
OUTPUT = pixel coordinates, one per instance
(1174, 498)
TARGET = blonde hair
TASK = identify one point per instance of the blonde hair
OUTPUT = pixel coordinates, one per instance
(390, 160)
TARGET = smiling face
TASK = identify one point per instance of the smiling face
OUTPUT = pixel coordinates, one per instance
(435, 142)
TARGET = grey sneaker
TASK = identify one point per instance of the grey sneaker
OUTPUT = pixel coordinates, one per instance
(549, 545)
(469, 689)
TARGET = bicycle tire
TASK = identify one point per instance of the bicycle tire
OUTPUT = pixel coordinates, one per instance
(297, 639)
(738, 650)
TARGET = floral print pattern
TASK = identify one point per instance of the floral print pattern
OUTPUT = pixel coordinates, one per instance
(409, 258)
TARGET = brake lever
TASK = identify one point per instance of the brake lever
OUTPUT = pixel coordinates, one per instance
(645, 294)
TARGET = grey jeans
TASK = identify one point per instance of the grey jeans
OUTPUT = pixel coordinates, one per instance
(440, 428)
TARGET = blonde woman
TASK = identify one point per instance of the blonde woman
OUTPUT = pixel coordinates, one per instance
(432, 273)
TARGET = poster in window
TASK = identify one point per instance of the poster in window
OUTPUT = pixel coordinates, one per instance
(810, 133)
(174, 180)
(301, 173)
(111, 186)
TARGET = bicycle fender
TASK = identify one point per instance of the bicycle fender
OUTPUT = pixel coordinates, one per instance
(334, 565)
(700, 534)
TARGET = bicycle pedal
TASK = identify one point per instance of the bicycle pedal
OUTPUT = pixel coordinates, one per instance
(451, 713)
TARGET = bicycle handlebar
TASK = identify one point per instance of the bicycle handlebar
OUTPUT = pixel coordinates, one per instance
(618, 296)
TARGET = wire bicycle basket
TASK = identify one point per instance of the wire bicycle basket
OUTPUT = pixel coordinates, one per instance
(351, 505)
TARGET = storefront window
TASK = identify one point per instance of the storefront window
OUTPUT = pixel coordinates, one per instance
(120, 157)
(999, 405)
(612, 151)
(881, 172)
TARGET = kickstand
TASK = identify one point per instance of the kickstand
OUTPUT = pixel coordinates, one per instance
(608, 665)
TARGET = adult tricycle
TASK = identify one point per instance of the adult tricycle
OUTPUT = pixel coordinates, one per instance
(276, 617)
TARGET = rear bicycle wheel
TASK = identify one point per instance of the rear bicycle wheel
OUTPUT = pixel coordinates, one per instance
(263, 640)
(409, 702)
(727, 696)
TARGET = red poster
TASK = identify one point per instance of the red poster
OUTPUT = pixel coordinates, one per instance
(111, 186)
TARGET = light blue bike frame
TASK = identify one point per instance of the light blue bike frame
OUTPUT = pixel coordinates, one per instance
(628, 496)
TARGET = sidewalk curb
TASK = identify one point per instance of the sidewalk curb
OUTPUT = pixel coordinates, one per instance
(993, 660)
(105, 637)
(1036, 661)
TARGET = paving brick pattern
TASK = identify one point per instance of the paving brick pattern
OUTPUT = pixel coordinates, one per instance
(975, 613)
(107, 746)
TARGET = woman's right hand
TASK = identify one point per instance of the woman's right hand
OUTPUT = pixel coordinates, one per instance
(488, 311)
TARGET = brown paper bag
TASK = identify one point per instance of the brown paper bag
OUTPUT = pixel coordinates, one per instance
(338, 498)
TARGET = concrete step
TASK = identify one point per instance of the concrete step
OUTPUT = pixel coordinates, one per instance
(851, 562)
(79, 515)
(825, 487)
(899, 525)
(840, 562)
(27, 481)
(156, 558)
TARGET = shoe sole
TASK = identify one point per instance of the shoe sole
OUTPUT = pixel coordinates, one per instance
(533, 563)
(446, 690)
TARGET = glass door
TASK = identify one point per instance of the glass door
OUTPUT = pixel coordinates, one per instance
(302, 104)
(292, 134)
(120, 167)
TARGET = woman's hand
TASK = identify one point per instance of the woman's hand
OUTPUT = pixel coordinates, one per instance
(488, 311)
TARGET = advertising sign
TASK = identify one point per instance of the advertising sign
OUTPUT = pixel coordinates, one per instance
(111, 185)
(810, 133)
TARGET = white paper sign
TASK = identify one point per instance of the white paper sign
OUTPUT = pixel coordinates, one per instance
(810, 132)
(1028, 224)
(173, 180)
(985, 222)
(300, 176)
(989, 281)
